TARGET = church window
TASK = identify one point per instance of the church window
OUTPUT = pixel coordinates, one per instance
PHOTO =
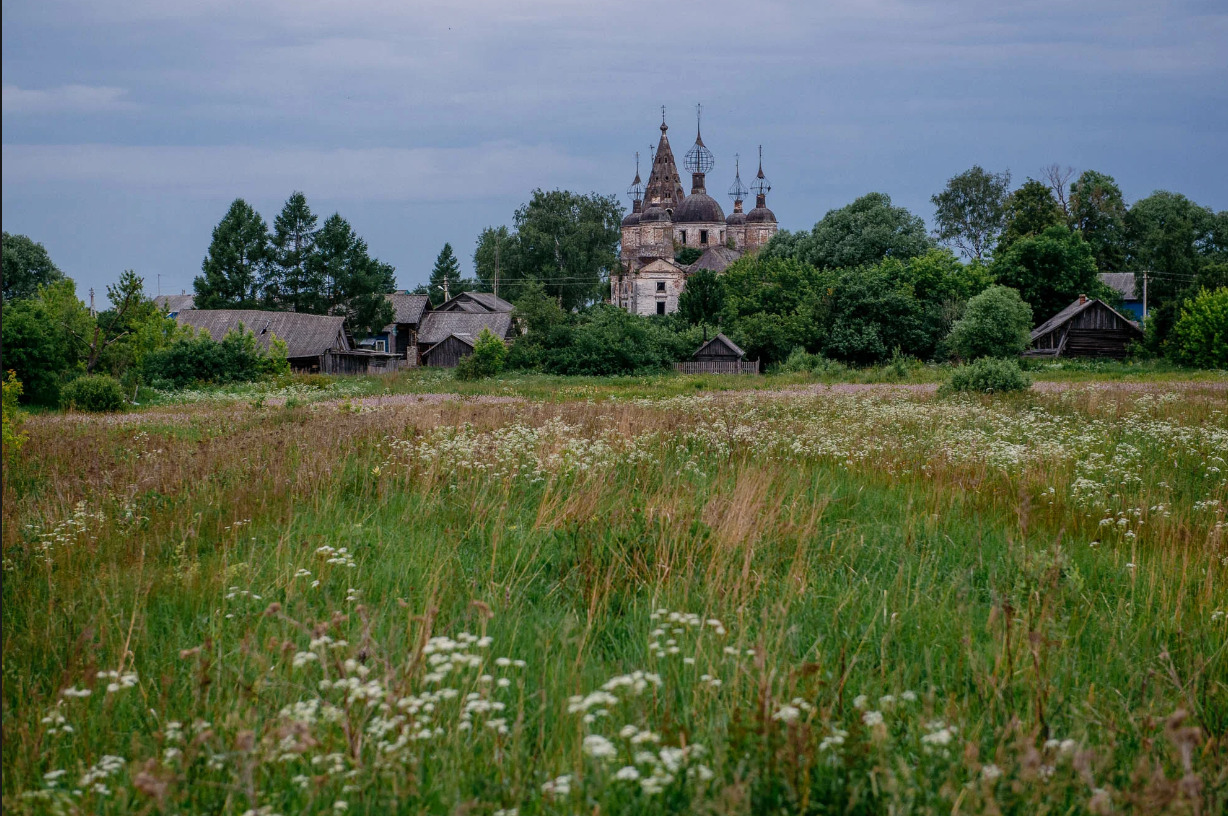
(703, 236)
(660, 307)
(684, 237)
(660, 286)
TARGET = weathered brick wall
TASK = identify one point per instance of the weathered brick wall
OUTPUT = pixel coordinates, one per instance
(645, 294)
(693, 234)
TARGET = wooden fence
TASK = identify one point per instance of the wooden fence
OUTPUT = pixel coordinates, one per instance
(718, 367)
(359, 362)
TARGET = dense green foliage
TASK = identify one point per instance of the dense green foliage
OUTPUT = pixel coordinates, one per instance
(605, 340)
(1098, 212)
(970, 212)
(198, 358)
(562, 240)
(12, 437)
(353, 283)
(702, 299)
(235, 270)
(996, 323)
(488, 358)
(987, 375)
(293, 282)
(685, 256)
(95, 393)
(1030, 210)
(1200, 336)
(1049, 270)
(27, 266)
(862, 233)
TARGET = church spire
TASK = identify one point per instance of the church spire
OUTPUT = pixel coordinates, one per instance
(699, 158)
(664, 186)
(636, 190)
(737, 190)
(760, 184)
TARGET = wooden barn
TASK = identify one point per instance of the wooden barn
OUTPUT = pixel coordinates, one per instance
(446, 336)
(1086, 328)
(306, 336)
(720, 355)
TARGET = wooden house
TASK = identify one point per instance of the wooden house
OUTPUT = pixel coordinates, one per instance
(475, 303)
(446, 336)
(1086, 328)
(306, 336)
(1126, 285)
(400, 337)
(172, 305)
(720, 355)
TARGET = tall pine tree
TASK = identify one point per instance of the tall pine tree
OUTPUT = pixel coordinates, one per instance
(294, 285)
(235, 270)
(352, 282)
(445, 277)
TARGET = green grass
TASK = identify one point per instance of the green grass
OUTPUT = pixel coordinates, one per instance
(1043, 575)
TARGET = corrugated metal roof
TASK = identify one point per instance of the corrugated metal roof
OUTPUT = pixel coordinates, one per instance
(305, 335)
(1121, 282)
(436, 326)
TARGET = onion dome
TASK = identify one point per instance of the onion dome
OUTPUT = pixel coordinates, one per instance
(761, 214)
(654, 214)
(633, 217)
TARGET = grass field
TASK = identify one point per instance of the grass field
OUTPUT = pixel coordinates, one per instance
(558, 596)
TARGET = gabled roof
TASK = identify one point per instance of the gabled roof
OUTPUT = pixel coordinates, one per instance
(437, 325)
(168, 304)
(475, 302)
(721, 340)
(464, 338)
(408, 308)
(716, 258)
(660, 265)
(305, 335)
(1120, 282)
(1073, 309)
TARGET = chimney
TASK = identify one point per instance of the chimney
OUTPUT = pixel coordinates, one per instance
(1082, 299)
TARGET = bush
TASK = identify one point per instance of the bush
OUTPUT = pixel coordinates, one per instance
(93, 392)
(10, 416)
(200, 359)
(607, 341)
(488, 358)
(800, 361)
(987, 376)
(1200, 336)
(996, 323)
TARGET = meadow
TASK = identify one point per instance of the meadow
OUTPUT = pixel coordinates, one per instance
(652, 595)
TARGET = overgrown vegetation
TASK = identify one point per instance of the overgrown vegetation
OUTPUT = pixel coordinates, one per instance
(194, 359)
(871, 601)
(96, 393)
(987, 375)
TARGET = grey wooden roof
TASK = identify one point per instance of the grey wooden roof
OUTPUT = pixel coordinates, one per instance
(716, 258)
(174, 303)
(305, 335)
(1069, 312)
(436, 326)
(475, 303)
(409, 308)
(721, 339)
(1121, 282)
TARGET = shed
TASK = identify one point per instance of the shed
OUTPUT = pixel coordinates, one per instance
(1086, 328)
(306, 336)
(719, 348)
(448, 351)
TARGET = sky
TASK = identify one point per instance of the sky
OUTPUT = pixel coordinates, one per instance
(129, 126)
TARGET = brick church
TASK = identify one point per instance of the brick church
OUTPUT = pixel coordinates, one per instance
(664, 220)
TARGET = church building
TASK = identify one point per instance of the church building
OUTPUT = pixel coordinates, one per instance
(664, 220)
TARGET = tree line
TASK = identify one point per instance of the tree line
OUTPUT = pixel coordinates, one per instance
(300, 266)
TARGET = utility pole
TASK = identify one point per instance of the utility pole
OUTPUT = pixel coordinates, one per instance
(445, 287)
(1144, 295)
(498, 241)
(159, 284)
(93, 312)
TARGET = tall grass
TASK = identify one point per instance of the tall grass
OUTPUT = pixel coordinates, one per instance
(756, 603)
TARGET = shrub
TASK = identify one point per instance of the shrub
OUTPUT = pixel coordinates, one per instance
(987, 376)
(200, 359)
(10, 416)
(93, 392)
(800, 360)
(1200, 336)
(606, 341)
(996, 323)
(487, 360)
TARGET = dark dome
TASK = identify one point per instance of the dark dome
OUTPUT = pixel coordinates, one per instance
(653, 213)
(736, 219)
(632, 219)
(761, 215)
(698, 208)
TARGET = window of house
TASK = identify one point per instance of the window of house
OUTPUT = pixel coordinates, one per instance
(703, 236)
(660, 307)
(660, 286)
(381, 345)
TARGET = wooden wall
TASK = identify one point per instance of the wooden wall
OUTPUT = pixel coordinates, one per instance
(446, 353)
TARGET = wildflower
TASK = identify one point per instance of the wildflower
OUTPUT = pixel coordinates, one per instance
(341, 805)
(787, 713)
(76, 692)
(872, 718)
(860, 701)
(599, 747)
(909, 696)
(990, 772)
(559, 786)
(627, 773)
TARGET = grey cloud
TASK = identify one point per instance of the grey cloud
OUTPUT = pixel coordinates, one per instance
(65, 99)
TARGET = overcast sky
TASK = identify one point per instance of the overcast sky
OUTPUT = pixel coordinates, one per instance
(130, 125)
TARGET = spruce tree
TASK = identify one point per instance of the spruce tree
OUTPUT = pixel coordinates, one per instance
(235, 270)
(447, 269)
(352, 282)
(294, 286)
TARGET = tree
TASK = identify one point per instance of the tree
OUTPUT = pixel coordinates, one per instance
(1056, 177)
(1171, 238)
(871, 315)
(1200, 336)
(496, 264)
(942, 286)
(292, 283)
(235, 268)
(1049, 270)
(129, 305)
(862, 233)
(26, 266)
(1098, 212)
(445, 279)
(487, 360)
(1030, 210)
(772, 305)
(353, 283)
(702, 298)
(41, 339)
(971, 211)
(996, 323)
